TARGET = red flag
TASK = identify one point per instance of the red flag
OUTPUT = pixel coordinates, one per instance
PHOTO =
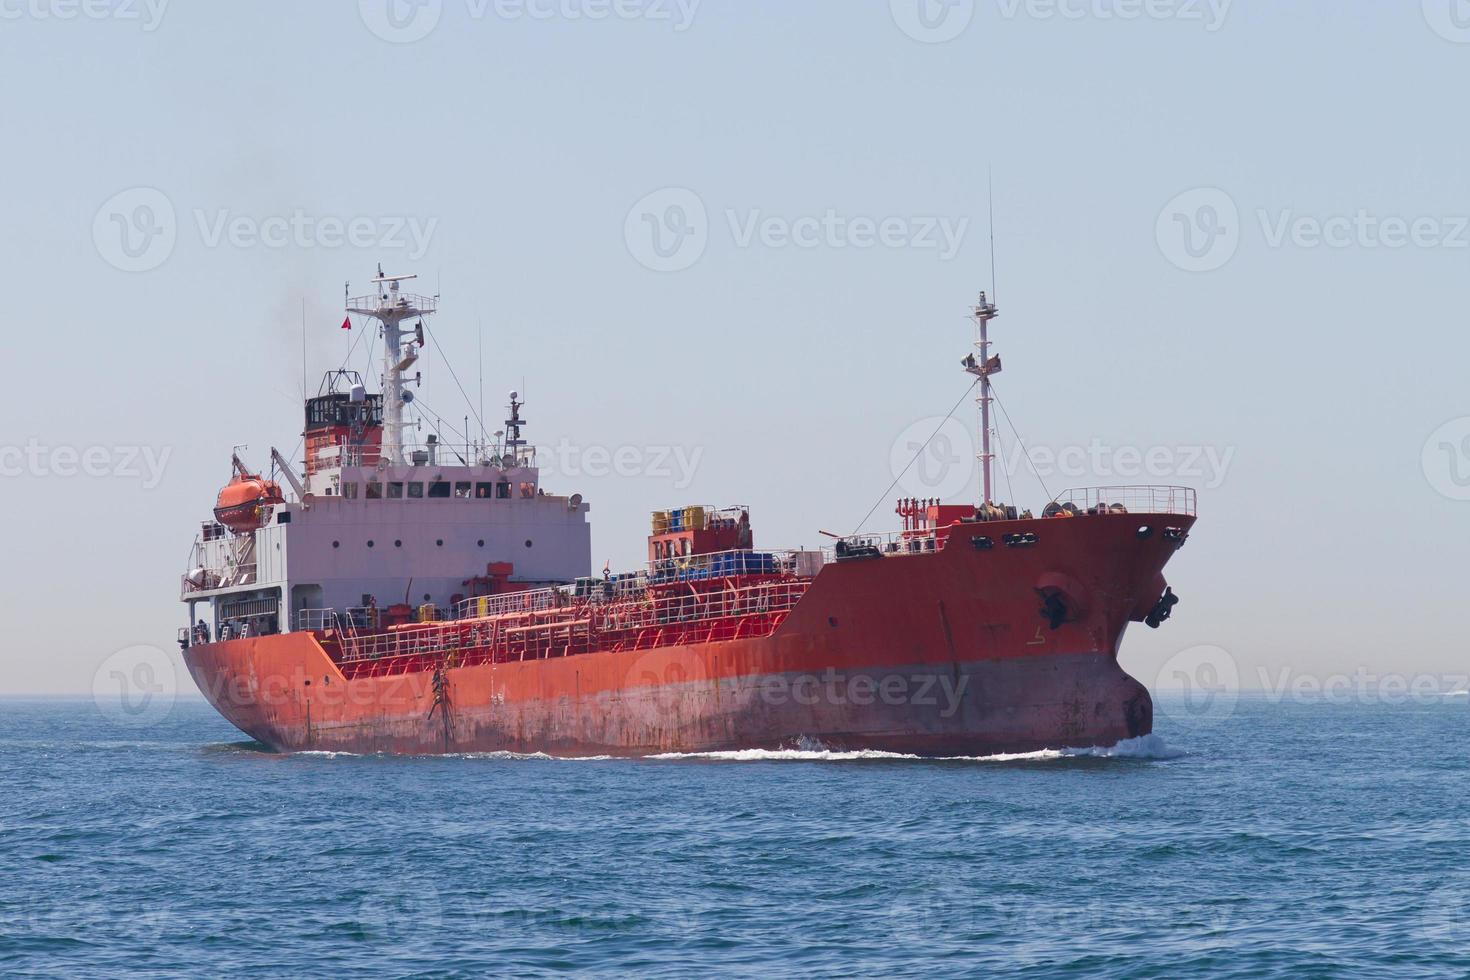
(347, 323)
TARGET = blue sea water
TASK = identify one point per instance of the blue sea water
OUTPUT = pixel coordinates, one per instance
(1274, 839)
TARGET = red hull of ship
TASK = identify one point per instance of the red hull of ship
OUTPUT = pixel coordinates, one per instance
(936, 654)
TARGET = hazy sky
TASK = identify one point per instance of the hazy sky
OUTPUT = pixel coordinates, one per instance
(737, 240)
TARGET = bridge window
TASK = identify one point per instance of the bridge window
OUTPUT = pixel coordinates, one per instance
(375, 491)
(439, 490)
(395, 491)
(462, 490)
(484, 491)
(415, 491)
(502, 490)
(349, 490)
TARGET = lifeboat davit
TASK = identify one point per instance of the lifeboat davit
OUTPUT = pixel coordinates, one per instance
(245, 504)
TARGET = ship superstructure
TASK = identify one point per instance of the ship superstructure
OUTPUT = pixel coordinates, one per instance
(378, 521)
(425, 598)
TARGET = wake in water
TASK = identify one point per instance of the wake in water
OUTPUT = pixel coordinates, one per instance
(1145, 747)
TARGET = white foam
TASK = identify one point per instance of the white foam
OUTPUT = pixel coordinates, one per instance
(1147, 747)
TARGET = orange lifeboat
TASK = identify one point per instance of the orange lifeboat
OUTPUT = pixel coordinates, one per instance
(245, 503)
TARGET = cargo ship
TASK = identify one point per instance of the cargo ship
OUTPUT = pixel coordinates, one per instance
(390, 596)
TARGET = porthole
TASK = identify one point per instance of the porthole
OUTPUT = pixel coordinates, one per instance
(440, 542)
(528, 542)
(482, 542)
(398, 544)
(336, 544)
(370, 544)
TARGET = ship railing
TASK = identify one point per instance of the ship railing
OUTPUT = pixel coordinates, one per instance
(654, 620)
(372, 305)
(916, 542)
(1134, 500)
(666, 571)
(726, 564)
(207, 579)
(436, 454)
(317, 620)
(531, 600)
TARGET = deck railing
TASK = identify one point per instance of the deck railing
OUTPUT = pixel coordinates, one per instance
(584, 625)
(1135, 500)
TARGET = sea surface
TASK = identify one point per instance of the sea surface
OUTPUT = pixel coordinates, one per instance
(1280, 837)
